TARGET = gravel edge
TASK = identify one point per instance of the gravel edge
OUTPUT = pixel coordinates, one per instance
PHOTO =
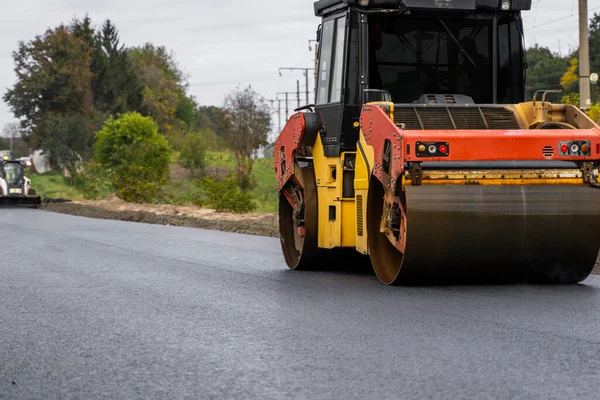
(265, 226)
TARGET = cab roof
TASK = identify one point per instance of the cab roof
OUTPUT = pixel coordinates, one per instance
(323, 7)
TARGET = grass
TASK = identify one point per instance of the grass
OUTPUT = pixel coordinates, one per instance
(54, 185)
(266, 191)
(265, 194)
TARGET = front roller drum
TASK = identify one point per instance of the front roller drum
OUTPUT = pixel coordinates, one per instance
(489, 234)
(299, 229)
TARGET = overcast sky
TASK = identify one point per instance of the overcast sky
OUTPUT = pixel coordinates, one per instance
(221, 43)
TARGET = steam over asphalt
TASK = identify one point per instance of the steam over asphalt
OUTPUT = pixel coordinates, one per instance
(108, 309)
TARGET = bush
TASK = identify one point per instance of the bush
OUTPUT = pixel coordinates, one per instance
(135, 155)
(594, 112)
(225, 195)
(93, 181)
(193, 153)
(571, 98)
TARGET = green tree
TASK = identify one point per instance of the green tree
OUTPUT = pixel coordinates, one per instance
(163, 84)
(117, 87)
(53, 95)
(246, 125)
(115, 84)
(545, 70)
(68, 138)
(209, 117)
(53, 72)
(595, 43)
(136, 156)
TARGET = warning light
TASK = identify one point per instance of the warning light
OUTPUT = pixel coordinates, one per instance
(443, 149)
(432, 149)
(422, 148)
(564, 148)
(585, 148)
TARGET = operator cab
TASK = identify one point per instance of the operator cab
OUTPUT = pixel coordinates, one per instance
(13, 173)
(414, 52)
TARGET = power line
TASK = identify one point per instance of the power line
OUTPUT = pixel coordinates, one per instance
(558, 19)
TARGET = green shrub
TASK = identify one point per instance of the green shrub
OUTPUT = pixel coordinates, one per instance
(193, 153)
(571, 98)
(594, 112)
(225, 195)
(135, 155)
(93, 181)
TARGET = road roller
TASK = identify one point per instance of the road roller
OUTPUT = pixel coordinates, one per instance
(422, 154)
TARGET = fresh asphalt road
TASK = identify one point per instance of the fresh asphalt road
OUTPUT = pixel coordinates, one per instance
(108, 309)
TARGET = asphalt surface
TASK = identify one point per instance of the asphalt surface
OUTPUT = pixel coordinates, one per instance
(107, 309)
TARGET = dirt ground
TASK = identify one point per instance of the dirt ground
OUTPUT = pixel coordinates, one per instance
(188, 216)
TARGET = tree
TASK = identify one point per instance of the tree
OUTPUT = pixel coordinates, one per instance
(595, 43)
(14, 139)
(545, 70)
(54, 76)
(117, 87)
(246, 125)
(53, 95)
(163, 84)
(68, 139)
(571, 76)
(12, 130)
(209, 117)
(135, 154)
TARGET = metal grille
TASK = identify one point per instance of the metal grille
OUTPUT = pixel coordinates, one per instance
(359, 215)
(548, 151)
(453, 118)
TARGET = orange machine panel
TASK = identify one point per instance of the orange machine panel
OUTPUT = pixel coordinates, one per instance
(288, 142)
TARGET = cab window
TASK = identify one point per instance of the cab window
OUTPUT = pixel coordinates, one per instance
(331, 61)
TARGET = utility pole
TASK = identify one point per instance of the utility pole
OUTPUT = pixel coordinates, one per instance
(305, 75)
(298, 93)
(279, 112)
(584, 56)
(287, 94)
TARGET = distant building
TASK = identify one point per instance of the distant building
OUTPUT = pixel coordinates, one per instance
(263, 152)
(40, 162)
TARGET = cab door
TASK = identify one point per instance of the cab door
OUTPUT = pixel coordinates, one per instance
(330, 85)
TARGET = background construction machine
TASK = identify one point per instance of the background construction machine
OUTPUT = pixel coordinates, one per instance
(15, 187)
(422, 153)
